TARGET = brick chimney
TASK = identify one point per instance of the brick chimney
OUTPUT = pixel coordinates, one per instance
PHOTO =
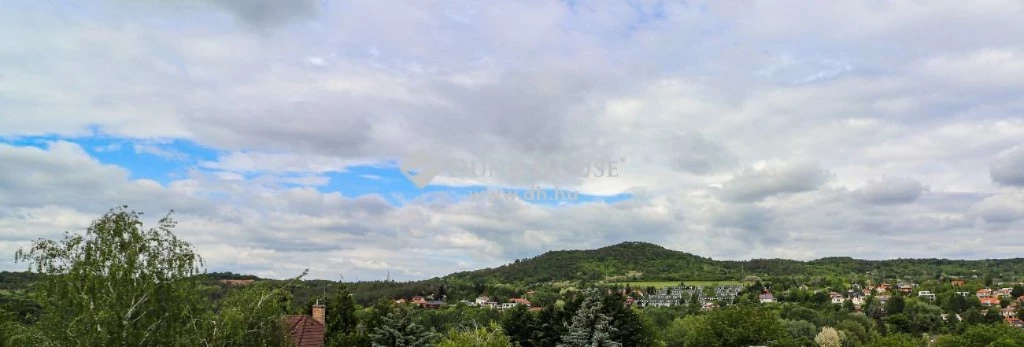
(319, 312)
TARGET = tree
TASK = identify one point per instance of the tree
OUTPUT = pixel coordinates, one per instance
(800, 329)
(519, 323)
(735, 326)
(118, 282)
(829, 337)
(341, 318)
(1018, 291)
(899, 340)
(590, 327)
(397, 329)
(489, 336)
(895, 305)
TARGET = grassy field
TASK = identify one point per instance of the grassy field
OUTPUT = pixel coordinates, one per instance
(663, 284)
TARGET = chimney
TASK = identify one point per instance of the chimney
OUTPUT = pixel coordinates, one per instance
(319, 312)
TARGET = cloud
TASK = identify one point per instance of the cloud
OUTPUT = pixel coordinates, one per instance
(889, 190)
(999, 209)
(286, 96)
(1008, 167)
(775, 178)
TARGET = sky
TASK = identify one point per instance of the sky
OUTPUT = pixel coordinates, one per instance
(280, 132)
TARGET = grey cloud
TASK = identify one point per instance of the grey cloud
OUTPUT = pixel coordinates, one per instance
(775, 179)
(1008, 167)
(999, 209)
(889, 190)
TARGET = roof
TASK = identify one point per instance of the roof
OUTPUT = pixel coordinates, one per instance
(304, 331)
(766, 296)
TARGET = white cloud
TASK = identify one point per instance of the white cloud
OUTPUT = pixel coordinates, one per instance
(700, 96)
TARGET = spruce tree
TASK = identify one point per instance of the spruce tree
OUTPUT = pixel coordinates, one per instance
(590, 327)
(398, 329)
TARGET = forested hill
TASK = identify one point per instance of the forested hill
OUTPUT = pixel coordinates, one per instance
(624, 259)
(650, 262)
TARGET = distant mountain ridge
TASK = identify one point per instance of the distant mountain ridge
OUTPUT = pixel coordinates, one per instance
(643, 261)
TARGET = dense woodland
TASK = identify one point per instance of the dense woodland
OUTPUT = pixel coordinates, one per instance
(120, 284)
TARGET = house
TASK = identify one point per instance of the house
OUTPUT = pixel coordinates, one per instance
(906, 288)
(307, 331)
(522, 301)
(989, 301)
(858, 301)
(984, 293)
(957, 283)
(766, 297)
(1004, 293)
(837, 298)
(1008, 312)
(431, 305)
(1016, 322)
(418, 300)
(482, 300)
(963, 293)
(400, 301)
(882, 288)
(926, 295)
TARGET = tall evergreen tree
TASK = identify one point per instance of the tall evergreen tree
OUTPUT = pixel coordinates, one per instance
(396, 328)
(590, 327)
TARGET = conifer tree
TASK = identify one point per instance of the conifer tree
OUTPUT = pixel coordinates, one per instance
(590, 327)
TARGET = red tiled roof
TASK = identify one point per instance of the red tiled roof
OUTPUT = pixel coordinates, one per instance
(989, 301)
(304, 331)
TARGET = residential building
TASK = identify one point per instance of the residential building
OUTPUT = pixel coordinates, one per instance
(1016, 322)
(957, 283)
(989, 301)
(926, 295)
(984, 293)
(482, 300)
(307, 331)
(837, 298)
(766, 297)
(1009, 312)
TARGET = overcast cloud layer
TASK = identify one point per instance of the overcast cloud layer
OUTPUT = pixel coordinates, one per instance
(743, 129)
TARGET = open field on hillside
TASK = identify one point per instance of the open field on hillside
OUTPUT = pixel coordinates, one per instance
(663, 284)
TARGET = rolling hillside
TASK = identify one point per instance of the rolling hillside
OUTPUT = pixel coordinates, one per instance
(650, 262)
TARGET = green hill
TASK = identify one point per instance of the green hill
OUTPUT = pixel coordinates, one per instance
(650, 262)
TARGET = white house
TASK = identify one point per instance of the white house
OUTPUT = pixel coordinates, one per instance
(927, 295)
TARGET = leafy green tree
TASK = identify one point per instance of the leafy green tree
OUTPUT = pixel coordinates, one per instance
(984, 335)
(800, 329)
(489, 336)
(520, 324)
(895, 305)
(674, 335)
(396, 328)
(118, 282)
(1018, 291)
(248, 316)
(736, 326)
(829, 337)
(899, 340)
(590, 327)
